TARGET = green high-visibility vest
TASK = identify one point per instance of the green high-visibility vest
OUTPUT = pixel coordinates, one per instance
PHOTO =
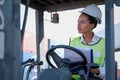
(98, 49)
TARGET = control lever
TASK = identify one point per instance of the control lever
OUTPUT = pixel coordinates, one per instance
(82, 75)
(28, 61)
(92, 65)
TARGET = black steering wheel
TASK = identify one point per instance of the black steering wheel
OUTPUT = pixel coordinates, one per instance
(58, 60)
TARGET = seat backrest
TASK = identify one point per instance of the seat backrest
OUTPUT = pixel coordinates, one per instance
(55, 74)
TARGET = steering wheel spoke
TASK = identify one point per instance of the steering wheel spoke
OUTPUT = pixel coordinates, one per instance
(58, 60)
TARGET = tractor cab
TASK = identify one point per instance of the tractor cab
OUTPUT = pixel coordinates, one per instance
(12, 35)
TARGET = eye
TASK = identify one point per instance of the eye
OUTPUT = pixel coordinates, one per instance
(83, 21)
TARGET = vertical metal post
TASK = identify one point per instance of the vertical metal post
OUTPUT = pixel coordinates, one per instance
(39, 32)
(109, 34)
(11, 38)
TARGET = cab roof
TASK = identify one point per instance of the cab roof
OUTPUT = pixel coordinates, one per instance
(60, 5)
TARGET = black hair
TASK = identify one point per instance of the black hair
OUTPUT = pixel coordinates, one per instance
(92, 20)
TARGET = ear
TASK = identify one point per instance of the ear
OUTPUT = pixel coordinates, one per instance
(92, 26)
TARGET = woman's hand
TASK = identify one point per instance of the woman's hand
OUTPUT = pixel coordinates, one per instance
(95, 71)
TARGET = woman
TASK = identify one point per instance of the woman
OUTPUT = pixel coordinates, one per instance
(87, 21)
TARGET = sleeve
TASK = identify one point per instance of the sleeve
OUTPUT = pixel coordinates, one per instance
(102, 72)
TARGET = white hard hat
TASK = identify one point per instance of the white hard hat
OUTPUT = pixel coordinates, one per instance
(93, 11)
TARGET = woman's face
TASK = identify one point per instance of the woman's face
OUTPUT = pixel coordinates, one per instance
(84, 25)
